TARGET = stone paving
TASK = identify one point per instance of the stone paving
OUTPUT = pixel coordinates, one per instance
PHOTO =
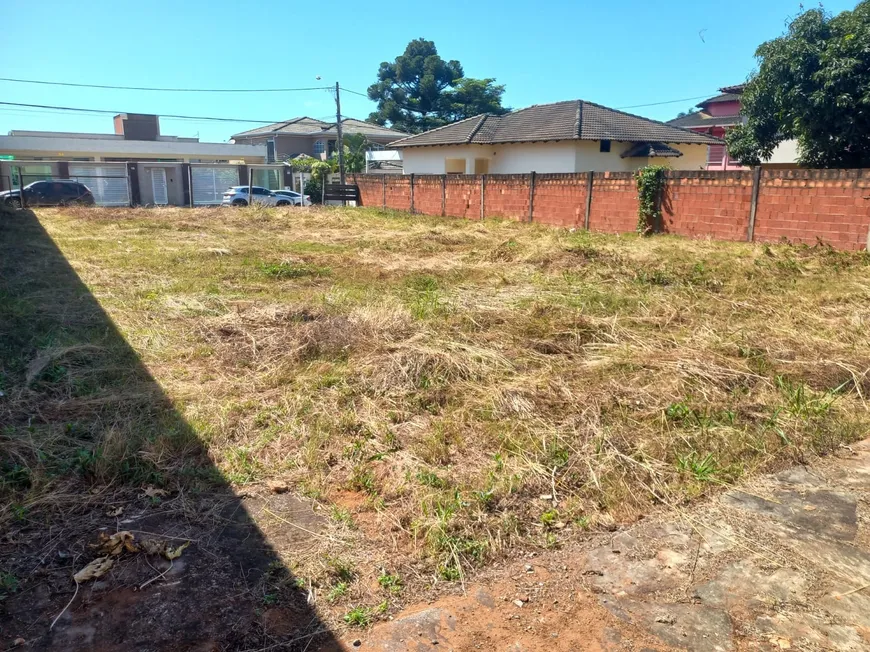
(781, 563)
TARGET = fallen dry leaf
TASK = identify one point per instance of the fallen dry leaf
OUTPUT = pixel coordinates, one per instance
(153, 546)
(810, 508)
(175, 553)
(117, 543)
(97, 568)
(115, 512)
(780, 642)
(154, 492)
(277, 486)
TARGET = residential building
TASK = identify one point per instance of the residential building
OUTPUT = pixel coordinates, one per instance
(718, 114)
(136, 164)
(572, 136)
(287, 140)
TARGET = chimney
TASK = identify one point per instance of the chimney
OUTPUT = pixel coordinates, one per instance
(137, 126)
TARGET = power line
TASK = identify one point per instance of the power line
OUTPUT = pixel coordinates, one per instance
(347, 90)
(685, 99)
(181, 117)
(166, 90)
(633, 106)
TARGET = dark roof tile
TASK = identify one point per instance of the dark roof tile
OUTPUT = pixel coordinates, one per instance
(701, 119)
(646, 150)
(572, 120)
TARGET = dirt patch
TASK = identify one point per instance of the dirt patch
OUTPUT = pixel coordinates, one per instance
(212, 597)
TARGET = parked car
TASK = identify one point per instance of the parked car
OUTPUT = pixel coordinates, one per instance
(57, 192)
(295, 197)
(238, 196)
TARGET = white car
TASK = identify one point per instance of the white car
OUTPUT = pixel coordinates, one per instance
(238, 196)
(295, 197)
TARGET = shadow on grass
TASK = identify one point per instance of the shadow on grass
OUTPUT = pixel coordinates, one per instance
(90, 444)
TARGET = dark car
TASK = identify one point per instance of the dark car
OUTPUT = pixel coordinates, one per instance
(57, 192)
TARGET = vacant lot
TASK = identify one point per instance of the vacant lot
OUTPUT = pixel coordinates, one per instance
(445, 390)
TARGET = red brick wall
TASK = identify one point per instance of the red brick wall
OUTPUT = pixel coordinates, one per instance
(799, 205)
(398, 192)
(507, 196)
(708, 204)
(427, 194)
(806, 205)
(614, 202)
(371, 189)
(560, 199)
(463, 196)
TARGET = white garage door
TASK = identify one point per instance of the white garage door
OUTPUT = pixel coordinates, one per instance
(209, 184)
(107, 182)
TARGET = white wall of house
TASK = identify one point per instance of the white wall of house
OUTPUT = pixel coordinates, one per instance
(59, 147)
(694, 158)
(784, 153)
(541, 157)
(522, 158)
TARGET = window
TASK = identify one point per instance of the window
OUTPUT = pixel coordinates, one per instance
(604, 146)
(454, 165)
(715, 154)
(319, 147)
(267, 178)
(331, 147)
(481, 166)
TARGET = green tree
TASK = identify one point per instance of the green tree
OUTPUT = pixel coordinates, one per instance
(355, 147)
(472, 97)
(420, 91)
(812, 85)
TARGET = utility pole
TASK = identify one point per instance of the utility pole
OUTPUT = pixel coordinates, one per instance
(338, 130)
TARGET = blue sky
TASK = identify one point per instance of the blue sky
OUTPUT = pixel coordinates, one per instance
(615, 53)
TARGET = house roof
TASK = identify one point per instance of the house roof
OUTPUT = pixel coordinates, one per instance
(701, 119)
(645, 150)
(737, 88)
(305, 126)
(724, 97)
(571, 120)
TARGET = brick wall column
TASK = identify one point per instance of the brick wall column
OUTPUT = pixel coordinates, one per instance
(589, 181)
(532, 195)
(133, 177)
(753, 205)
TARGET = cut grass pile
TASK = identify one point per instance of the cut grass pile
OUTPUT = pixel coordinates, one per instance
(475, 386)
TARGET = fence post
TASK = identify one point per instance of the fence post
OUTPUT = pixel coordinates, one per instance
(532, 177)
(589, 180)
(412, 193)
(443, 195)
(22, 199)
(384, 184)
(659, 226)
(482, 195)
(753, 205)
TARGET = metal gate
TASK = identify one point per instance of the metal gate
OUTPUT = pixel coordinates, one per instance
(208, 184)
(108, 182)
(158, 186)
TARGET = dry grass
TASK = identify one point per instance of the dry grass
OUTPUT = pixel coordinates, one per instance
(468, 387)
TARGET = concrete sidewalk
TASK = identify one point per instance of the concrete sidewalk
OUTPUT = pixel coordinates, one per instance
(781, 563)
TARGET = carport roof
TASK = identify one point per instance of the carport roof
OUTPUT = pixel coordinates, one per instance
(305, 126)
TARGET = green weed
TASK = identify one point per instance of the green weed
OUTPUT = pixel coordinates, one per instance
(358, 617)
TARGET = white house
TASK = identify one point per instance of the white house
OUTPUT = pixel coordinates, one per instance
(573, 136)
